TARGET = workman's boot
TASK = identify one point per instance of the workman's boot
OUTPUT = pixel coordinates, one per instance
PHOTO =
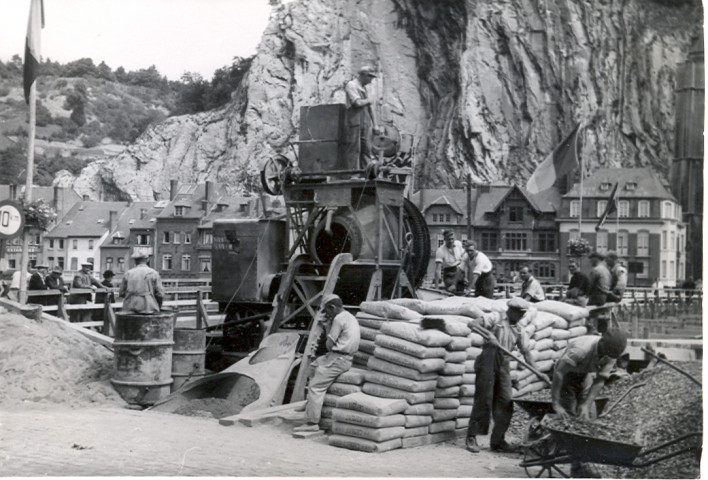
(471, 445)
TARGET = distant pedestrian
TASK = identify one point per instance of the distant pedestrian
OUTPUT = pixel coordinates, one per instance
(141, 288)
(618, 275)
(36, 281)
(108, 276)
(449, 265)
(55, 281)
(579, 286)
(84, 280)
(480, 273)
(531, 289)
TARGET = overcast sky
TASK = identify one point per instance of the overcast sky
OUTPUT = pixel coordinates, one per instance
(174, 35)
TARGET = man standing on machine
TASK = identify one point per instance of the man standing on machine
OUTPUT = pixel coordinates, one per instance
(360, 118)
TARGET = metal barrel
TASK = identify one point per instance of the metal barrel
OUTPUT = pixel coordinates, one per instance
(142, 348)
(188, 355)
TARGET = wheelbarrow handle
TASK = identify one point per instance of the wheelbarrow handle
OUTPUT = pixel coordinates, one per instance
(486, 335)
(671, 365)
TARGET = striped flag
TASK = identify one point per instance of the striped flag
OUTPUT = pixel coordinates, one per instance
(32, 45)
(610, 208)
(560, 162)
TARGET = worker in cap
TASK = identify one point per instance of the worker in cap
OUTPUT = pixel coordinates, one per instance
(450, 265)
(141, 287)
(492, 396)
(55, 281)
(361, 119)
(83, 280)
(582, 370)
(342, 341)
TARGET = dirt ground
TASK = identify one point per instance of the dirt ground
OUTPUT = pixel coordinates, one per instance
(112, 441)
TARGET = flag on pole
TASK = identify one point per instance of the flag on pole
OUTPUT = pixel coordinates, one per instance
(32, 45)
(610, 208)
(560, 162)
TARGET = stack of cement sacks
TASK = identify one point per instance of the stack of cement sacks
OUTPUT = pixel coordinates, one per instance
(419, 384)
(347, 383)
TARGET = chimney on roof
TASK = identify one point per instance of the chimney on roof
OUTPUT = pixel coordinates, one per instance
(143, 212)
(173, 189)
(13, 191)
(85, 198)
(55, 199)
(205, 202)
(112, 216)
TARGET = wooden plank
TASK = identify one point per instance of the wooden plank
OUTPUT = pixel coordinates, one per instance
(95, 336)
(256, 417)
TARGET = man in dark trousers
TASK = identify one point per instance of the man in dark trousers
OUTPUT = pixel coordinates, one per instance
(578, 287)
(360, 118)
(492, 396)
(141, 287)
(479, 272)
(343, 337)
(450, 264)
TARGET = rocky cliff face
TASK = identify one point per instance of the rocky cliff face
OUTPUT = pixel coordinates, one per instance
(488, 87)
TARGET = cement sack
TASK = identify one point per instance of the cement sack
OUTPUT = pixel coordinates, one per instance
(447, 392)
(443, 414)
(342, 389)
(523, 373)
(469, 400)
(513, 365)
(453, 369)
(559, 322)
(543, 333)
(459, 344)
(559, 344)
(514, 375)
(443, 436)
(326, 412)
(467, 390)
(521, 384)
(565, 310)
(419, 441)
(455, 325)
(389, 311)
(368, 420)
(414, 304)
(362, 402)
(462, 422)
(415, 432)
(354, 375)
(476, 340)
(409, 348)
(361, 359)
(330, 400)
(577, 331)
(367, 346)
(539, 356)
(532, 343)
(532, 387)
(456, 357)
(528, 317)
(473, 352)
(543, 320)
(446, 403)
(464, 411)
(380, 365)
(370, 322)
(399, 382)
(367, 333)
(419, 409)
(413, 421)
(362, 445)
(545, 344)
(559, 334)
(449, 381)
(423, 365)
(469, 366)
(445, 426)
(469, 379)
(581, 322)
(325, 424)
(389, 392)
(530, 329)
(545, 365)
(453, 306)
(557, 354)
(413, 333)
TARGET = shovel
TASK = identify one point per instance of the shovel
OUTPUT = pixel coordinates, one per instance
(608, 409)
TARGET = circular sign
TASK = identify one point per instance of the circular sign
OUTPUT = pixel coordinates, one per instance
(12, 219)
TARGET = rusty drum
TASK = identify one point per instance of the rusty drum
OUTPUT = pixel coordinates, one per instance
(188, 356)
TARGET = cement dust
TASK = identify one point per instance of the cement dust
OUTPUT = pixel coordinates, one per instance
(49, 363)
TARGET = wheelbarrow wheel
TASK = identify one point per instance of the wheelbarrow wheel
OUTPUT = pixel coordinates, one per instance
(533, 431)
(538, 459)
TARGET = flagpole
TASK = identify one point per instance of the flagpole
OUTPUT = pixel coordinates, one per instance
(580, 164)
(28, 189)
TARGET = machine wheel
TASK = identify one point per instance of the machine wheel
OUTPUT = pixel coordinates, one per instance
(274, 174)
(420, 253)
(544, 449)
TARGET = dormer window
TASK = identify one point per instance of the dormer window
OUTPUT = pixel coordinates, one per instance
(179, 211)
(605, 186)
(630, 186)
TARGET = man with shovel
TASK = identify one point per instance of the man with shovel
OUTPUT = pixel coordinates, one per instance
(492, 396)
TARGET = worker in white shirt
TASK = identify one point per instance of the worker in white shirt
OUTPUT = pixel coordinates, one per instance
(449, 264)
(481, 280)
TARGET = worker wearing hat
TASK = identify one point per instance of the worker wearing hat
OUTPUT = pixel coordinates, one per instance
(141, 287)
(450, 264)
(55, 281)
(492, 396)
(36, 281)
(360, 118)
(342, 341)
(83, 279)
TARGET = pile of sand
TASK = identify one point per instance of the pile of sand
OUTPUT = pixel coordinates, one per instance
(49, 363)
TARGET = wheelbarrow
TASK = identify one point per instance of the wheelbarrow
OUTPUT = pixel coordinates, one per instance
(553, 458)
(536, 409)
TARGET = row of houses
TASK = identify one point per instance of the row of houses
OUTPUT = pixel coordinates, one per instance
(175, 232)
(516, 228)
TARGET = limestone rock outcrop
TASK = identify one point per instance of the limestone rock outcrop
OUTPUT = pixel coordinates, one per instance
(487, 87)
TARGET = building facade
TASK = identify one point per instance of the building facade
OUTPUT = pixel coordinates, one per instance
(646, 231)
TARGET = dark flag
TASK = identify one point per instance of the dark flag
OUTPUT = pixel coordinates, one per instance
(32, 45)
(560, 162)
(611, 207)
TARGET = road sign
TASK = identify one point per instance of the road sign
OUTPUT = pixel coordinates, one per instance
(12, 219)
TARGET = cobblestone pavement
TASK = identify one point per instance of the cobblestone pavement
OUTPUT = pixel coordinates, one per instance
(50, 441)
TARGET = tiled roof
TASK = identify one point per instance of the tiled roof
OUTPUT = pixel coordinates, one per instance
(648, 184)
(443, 200)
(190, 197)
(128, 218)
(83, 220)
